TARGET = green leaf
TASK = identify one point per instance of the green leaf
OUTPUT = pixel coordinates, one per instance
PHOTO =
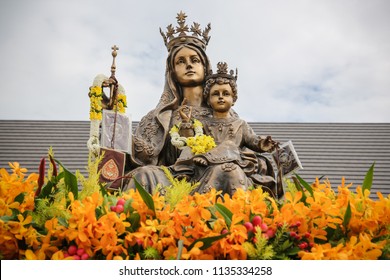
(305, 185)
(47, 190)
(330, 232)
(226, 213)
(210, 224)
(70, 181)
(7, 218)
(367, 183)
(213, 212)
(293, 251)
(207, 241)
(63, 221)
(127, 206)
(180, 249)
(99, 212)
(111, 199)
(286, 244)
(104, 191)
(347, 216)
(146, 197)
(13, 216)
(104, 205)
(134, 220)
(20, 198)
(299, 187)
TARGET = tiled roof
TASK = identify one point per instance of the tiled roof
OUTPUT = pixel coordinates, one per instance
(336, 150)
(332, 150)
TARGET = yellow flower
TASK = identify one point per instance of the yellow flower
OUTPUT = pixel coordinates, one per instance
(121, 108)
(174, 129)
(96, 90)
(96, 104)
(197, 123)
(121, 104)
(201, 144)
(95, 116)
(151, 225)
(122, 99)
(30, 255)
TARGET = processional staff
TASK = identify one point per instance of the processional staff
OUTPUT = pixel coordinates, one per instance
(113, 81)
(114, 91)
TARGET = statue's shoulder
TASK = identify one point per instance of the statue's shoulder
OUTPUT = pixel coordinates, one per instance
(233, 114)
(148, 124)
(148, 117)
(165, 99)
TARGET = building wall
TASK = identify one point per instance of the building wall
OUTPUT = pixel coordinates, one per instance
(331, 150)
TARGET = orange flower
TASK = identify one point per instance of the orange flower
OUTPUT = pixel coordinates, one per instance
(16, 169)
(196, 253)
(89, 224)
(8, 243)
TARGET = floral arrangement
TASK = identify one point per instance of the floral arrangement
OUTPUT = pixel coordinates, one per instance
(96, 97)
(199, 144)
(45, 216)
(96, 109)
(121, 103)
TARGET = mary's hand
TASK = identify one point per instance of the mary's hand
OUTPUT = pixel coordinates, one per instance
(185, 111)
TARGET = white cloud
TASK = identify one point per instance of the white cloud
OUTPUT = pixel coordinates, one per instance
(324, 61)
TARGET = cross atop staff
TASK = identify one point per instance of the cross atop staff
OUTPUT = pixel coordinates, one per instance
(115, 48)
(112, 81)
(114, 54)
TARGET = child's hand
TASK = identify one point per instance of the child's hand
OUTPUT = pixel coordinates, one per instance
(200, 161)
(267, 144)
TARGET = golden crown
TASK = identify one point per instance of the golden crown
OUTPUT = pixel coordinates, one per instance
(178, 36)
(222, 71)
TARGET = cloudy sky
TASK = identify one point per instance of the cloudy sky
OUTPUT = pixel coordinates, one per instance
(298, 61)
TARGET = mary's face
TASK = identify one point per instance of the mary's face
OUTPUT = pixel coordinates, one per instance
(188, 67)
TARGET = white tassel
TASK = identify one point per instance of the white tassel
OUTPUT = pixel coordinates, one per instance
(93, 143)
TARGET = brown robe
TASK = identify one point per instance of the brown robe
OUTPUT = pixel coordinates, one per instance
(233, 164)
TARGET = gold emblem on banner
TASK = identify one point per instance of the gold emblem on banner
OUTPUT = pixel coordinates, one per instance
(110, 170)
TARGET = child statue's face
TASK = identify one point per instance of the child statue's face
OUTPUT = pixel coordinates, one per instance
(188, 66)
(221, 97)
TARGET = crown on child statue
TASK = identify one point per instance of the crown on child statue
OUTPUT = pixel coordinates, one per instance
(178, 36)
(222, 72)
